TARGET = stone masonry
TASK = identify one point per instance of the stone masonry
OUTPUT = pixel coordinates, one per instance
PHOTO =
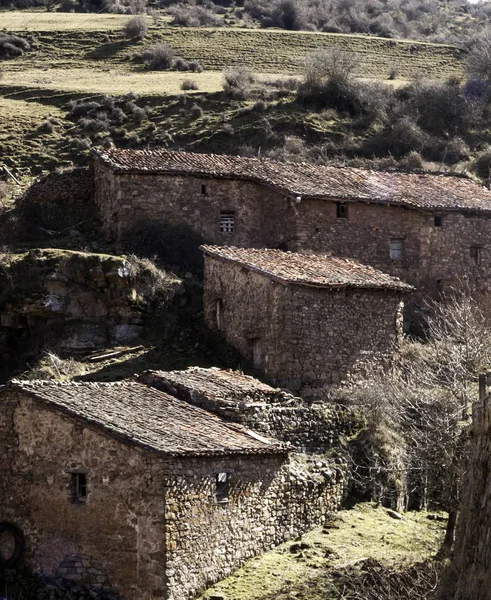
(306, 322)
(431, 231)
(126, 478)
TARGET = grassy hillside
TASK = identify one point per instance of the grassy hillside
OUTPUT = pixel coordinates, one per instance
(86, 56)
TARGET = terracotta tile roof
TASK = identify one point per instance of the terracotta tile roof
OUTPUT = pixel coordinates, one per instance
(307, 269)
(430, 192)
(148, 417)
(225, 388)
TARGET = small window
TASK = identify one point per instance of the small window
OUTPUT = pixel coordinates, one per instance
(438, 221)
(396, 248)
(476, 254)
(79, 487)
(227, 222)
(257, 353)
(219, 315)
(203, 189)
(341, 210)
(222, 484)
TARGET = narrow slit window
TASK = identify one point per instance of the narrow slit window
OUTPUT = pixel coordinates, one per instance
(341, 210)
(438, 221)
(476, 254)
(203, 189)
(227, 222)
(79, 487)
(219, 315)
(222, 487)
(396, 248)
(257, 353)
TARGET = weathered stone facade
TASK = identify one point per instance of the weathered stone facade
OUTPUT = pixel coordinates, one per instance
(302, 337)
(151, 519)
(440, 224)
(124, 199)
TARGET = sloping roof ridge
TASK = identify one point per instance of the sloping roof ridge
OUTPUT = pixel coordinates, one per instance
(245, 257)
(70, 383)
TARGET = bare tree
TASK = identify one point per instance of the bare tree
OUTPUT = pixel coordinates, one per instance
(417, 415)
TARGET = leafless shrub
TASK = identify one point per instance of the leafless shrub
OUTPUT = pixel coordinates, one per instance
(158, 57)
(191, 15)
(51, 367)
(136, 28)
(189, 84)
(237, 82)
(478, 63)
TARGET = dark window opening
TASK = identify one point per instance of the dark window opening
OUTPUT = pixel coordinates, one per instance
(219, 315)
(396, 248)
(476, 254)
(203, 189)
(438, 221)
(257, 353)
(341, 210)
(227, 222)
(79, 487)
(222, 487)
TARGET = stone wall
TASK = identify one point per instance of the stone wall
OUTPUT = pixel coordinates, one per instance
(303, 338)
(121, 524)
(435, 258)
(124, 199)
(59, 201)
(270, 501)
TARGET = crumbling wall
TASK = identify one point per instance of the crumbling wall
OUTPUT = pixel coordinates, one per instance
(58, 202)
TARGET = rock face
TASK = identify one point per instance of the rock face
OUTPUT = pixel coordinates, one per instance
(76, 300)
(469, 575)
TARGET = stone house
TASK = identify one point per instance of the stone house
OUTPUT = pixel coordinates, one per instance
(432, 231)
(305, 321)
(122, 485)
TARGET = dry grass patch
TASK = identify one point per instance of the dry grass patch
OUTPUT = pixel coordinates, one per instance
(116, 82)
(50, 21)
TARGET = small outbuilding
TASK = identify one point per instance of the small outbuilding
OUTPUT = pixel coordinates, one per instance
(121, 486)
(305, 321)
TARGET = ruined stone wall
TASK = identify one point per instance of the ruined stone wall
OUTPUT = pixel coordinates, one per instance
(270, 500)
(302, 338)
(263, 218)
(120, 526)
(59, 201)
(469, 575)
(436, 259)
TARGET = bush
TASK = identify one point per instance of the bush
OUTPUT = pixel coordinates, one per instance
(194, 16)
(196, 111)
(482, 165)
(12, 45)
(159, 57)
(136, 28)
(189, 84)
(238, 82)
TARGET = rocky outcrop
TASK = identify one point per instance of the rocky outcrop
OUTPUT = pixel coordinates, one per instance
(76, 301)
